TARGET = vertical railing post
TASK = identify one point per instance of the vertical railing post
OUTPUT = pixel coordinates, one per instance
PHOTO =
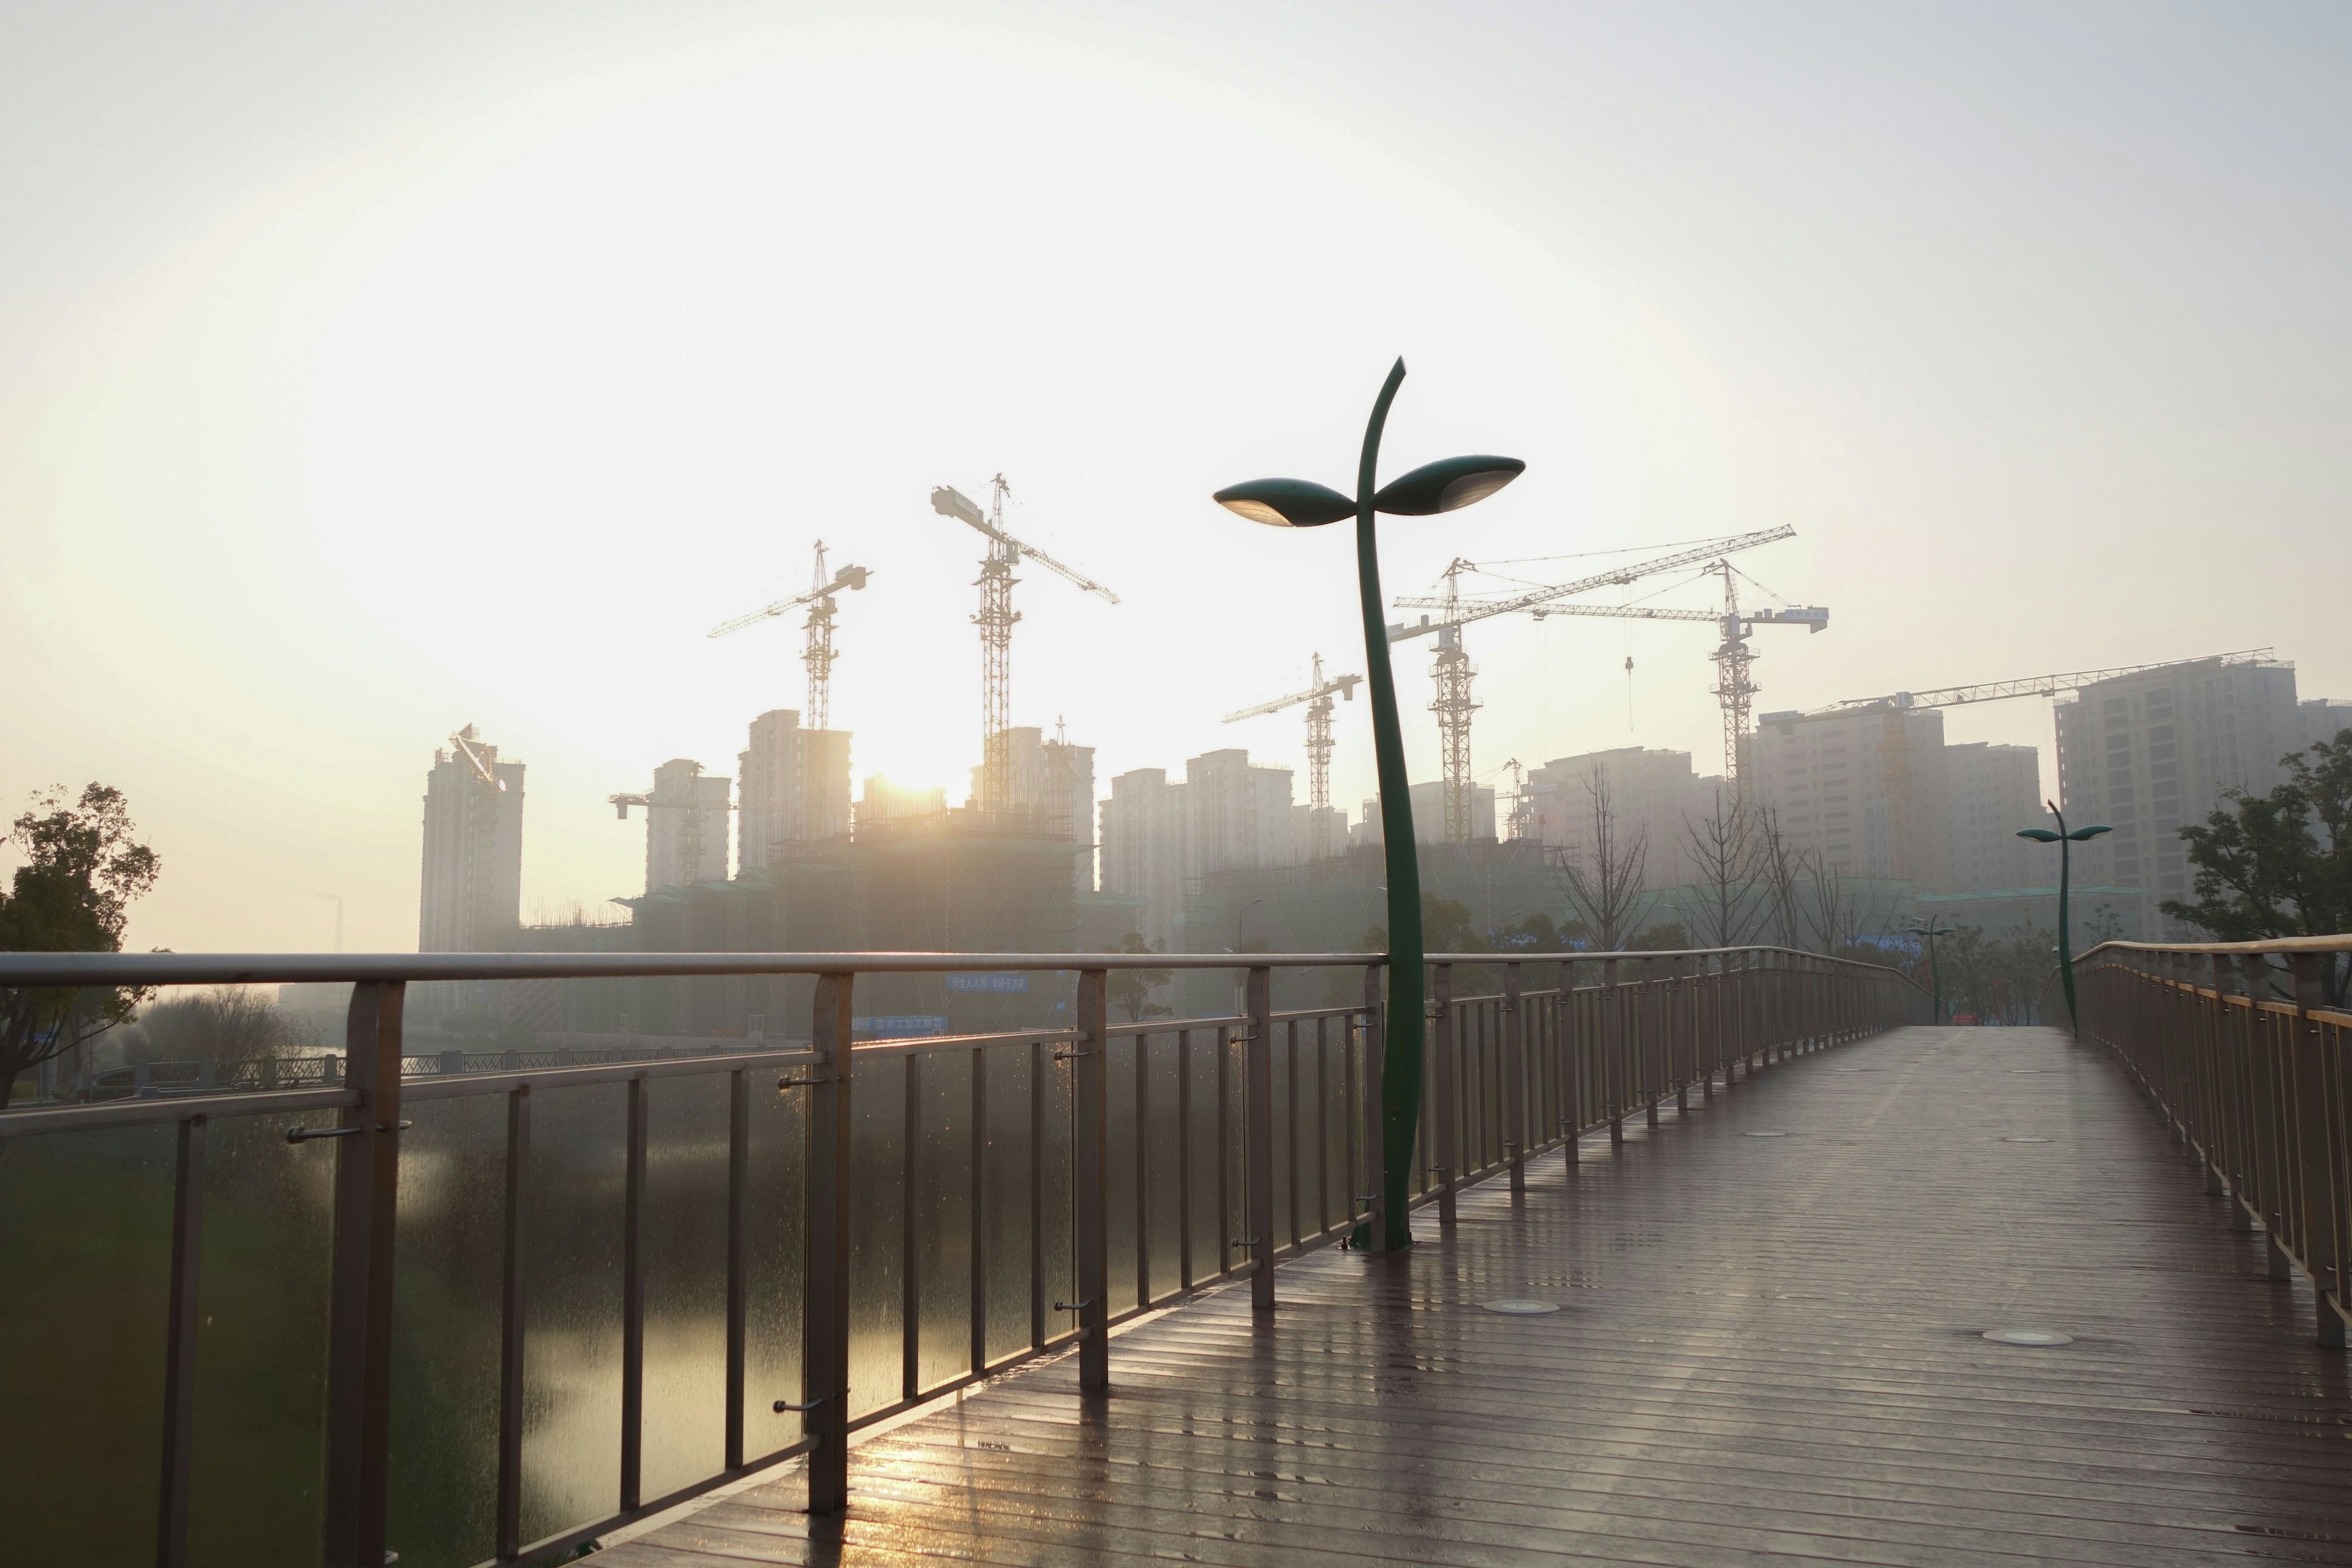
(1089, 1151)
(824, 1355)
(1654, 1031)
(1257, 997)
(1515, 1076)
(633, 1302)
(1374, 1161)
(739, 1220)
(359, 1334)
(1682, 1018)
(1612, 1050)
(2317, 1167)
(1446, 1145)
(1570, 1043)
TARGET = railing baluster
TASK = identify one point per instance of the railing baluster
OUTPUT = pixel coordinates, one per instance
(1444, 1096)
(1089, 1063)
(1290, 1122)
(1142, 1169)
(825, 1314)
(1370, 1128)
(511, 1308)
(978, 1188)
(633, 1304)
(1184, 1157)
(738, 1182)
(1037, 1060)
(180, 1344)
(1258, 1117)
(1514, 1078)
(910, 1212)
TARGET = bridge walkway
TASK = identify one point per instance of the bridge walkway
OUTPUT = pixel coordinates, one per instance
(1770, 1349)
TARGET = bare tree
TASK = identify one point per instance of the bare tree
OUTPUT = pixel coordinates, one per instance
(1606, 885)
(1723, 848)
(1780, 874)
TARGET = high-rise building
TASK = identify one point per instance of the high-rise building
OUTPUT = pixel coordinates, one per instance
(883, 801)
(687, 831)
(2146, 752)
(1143, 847)
(795, 787)
(1057, 779)
(471, 899)
(1995, 791)
(1159, 838)
(1428, 815)
(2323, 718)
(1862, 790)
(1653, 795)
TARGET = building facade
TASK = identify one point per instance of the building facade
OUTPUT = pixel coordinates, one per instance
(471, 896)
(2146, 752)
(795, 787)
(687, 831)
(1652, 796)
(1995, 791)
(1862, 790)
(1160, 837)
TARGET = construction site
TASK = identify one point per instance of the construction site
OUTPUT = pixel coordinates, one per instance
(1840, 825)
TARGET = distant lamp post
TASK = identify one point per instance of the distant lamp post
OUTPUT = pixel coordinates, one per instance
(2065, 842)
(1931, 931)
(1446, 486)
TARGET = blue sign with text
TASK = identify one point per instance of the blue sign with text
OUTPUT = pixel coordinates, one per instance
(1001, 982)
(901, 1025)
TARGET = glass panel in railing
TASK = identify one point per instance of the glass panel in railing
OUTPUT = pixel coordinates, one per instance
(572, 1362)
(1119, 1186)
(259, 1436)
(1204, 1159)
(775, 1260)
(877, 1209)
(1056, 1195)
(1161, 1150)
(686, 1280)
(86, 1232)
(943, 1184)
(1009, 1165)
(447, 1274)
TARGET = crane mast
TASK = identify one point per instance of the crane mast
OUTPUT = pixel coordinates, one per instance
(818, 654)
(1317, 698)
(1452, 671)
(996, 620)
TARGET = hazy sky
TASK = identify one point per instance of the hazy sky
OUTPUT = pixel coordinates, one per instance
(365, 370)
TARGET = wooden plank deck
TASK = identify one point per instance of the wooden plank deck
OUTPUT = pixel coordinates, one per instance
(1769, 1350)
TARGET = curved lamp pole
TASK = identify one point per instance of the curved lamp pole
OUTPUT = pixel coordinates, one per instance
(1446, 486)
(2065, 842)
(1931, 931)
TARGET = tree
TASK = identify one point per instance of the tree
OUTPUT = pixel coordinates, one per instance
(72, 894)
(1780, 877)
(228, 1023)
(1606, 886)
(1131, 989)
(1723, 848)
(2279, 864)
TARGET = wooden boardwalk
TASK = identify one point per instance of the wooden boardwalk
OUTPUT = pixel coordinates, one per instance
(1770, 1349)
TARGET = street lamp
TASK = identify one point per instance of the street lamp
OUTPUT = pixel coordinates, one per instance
(1446, 486)
(2065, 842)
(1931, 931)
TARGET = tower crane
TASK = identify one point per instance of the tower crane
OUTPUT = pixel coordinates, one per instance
(995, 622)
(1734, 686)
(1894, 743)
(818, 655)
(1317, 698)
(1453, 668)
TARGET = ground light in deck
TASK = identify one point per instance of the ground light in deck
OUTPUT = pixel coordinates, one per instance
(1445, 485)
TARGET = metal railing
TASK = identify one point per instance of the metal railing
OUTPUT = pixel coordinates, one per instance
(1016, 1193)
(2236, 1048)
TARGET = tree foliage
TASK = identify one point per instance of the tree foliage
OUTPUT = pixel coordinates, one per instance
(81, 871)
(1131, 989)
(2280, 864)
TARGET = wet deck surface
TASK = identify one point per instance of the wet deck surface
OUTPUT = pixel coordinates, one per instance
(1770, 1349)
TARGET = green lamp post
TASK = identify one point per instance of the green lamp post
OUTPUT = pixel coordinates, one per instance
(2065, 842)
(1446, 486)
(1931, 931)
